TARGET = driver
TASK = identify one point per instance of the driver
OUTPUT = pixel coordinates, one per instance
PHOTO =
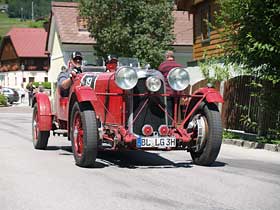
(65, 78)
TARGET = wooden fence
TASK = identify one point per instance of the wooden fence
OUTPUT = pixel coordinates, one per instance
(242, 110)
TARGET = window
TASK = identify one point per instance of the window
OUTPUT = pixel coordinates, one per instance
(24, 79)
(31, 79)
(29, 62)
(46, 79)
(205, 15)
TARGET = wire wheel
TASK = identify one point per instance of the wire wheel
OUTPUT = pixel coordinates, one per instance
(78, 134)
(39, 138)
(207, 128)
(83, 135)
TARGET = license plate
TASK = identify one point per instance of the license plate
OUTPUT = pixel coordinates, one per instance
(157, 142)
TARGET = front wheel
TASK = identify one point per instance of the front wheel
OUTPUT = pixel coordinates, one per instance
(83, 135)
(207, 128)
(40, 138)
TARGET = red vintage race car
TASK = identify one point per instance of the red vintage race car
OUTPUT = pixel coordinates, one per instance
(130, 109)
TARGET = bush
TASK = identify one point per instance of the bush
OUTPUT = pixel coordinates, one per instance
(3, 100)
(46, 85)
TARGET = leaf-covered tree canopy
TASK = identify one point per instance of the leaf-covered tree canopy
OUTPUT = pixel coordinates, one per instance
(252, 28)
(132, 28)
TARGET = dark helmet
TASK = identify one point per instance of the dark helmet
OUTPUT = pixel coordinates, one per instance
(76, 55)
(111, 59)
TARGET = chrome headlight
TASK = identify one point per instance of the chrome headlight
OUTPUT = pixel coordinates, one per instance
(126, 78)
(178, 79)
(153, 84)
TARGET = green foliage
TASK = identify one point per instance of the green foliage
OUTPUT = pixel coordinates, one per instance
(248, 122)
(213, 70)
(230, 135)
(7, 23)
(268, 140)
(3, 100)
(130, 28)
(252, 29)
(36, 24)
(41, 8)
(46, 85)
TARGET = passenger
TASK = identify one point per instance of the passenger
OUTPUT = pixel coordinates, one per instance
(165, 67)
(111, 63)
(168, 64)
(65, 78)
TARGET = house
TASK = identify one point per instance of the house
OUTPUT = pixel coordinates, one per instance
(183, 30)
(241, 110)
(206, 40)
(23, 58)
(68, 33)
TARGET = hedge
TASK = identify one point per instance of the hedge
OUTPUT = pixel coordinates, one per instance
(3, 100)
(46, 85)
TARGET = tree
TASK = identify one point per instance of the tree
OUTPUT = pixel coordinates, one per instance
(252, 28)
(252, 31)
(132, 28)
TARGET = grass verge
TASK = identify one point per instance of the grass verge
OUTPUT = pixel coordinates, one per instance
(263, 140)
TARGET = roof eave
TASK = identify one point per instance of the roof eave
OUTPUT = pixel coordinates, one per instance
(80, 43)
(187, 5)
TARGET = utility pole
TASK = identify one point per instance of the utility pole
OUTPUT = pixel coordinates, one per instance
(32, 11)
(21, 13)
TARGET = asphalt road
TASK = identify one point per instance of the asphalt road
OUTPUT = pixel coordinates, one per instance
(34, 180)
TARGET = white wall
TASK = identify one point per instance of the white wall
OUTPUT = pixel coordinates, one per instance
(56, 59)
(15, 78)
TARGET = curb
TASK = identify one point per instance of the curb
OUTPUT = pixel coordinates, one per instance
(252, 144)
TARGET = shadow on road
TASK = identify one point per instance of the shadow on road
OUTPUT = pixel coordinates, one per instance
(127, 159)
(139, 159)
(133, 159)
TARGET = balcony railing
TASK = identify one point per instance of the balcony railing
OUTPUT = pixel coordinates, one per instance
(16, 67)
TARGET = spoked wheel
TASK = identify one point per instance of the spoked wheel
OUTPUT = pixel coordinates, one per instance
(207, 128)
(40, 138)
(84, 135)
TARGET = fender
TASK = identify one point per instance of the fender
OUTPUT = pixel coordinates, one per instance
(85, 93)
(211, 95)
(44, 111)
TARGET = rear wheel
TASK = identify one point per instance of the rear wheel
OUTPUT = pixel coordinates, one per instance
(40, 138)
(83, 135)
(207, 128)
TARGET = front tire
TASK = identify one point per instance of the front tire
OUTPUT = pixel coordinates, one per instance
(83, 135)
(40, 138)
(208, 129)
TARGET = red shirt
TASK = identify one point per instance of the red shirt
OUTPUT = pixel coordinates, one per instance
(164, 68)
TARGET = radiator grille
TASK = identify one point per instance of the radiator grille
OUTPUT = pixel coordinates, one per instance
(151, 113)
